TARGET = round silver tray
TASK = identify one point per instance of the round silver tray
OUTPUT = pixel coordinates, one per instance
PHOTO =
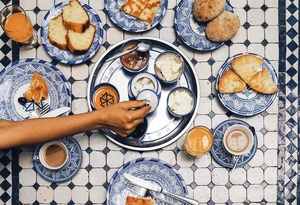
(163, 129)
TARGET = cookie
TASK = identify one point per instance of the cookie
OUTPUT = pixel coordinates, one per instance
(246, 66)
(223, 28)
(263, 83)
(230, 82)
(206, 10)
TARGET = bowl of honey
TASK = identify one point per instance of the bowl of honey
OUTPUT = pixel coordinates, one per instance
(104, 94)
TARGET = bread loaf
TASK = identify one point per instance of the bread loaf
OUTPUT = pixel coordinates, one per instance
(81, 42)
(37, 89)
(57, 33)
(230, 82)
(223, 28)
(75, 17)
(206, 10)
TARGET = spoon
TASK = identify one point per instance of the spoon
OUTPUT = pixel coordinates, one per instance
(236, 162)
(142, 47)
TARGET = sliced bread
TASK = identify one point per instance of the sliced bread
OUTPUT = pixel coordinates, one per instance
(246, 66)
(263, 83)
(80, 42)
(230, 82)
(75, 16)
(57, 33)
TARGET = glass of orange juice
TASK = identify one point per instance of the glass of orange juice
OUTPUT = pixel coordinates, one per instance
(17, 25)
(198, 141)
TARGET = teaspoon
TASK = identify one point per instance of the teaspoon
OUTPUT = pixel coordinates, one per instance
(142, 47)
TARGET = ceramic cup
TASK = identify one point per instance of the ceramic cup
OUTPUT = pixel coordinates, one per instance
(238, 140)
(53, 155)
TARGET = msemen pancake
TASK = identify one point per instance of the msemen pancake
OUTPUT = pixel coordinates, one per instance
(143, 10)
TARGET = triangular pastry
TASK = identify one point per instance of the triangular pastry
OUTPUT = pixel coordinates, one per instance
(131, 200)
(246, 66)
(263, 83)
(230, 82)
(37, 90)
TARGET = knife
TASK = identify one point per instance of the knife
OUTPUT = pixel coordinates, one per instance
(56, 112)
(154, 187)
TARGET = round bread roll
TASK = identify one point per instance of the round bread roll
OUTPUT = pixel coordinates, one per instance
(206, 10)
(223, 28)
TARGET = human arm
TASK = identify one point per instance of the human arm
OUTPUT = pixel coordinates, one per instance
(121, 118)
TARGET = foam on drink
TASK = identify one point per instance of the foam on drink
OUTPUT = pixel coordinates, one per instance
(237, 140)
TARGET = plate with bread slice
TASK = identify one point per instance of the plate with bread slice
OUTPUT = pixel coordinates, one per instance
(155, 170)
(71, 32)
(205, 25)
(136, 16)
(246, 84)
(38, 82)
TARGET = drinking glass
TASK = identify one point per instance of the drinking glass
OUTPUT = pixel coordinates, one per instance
(17, 26)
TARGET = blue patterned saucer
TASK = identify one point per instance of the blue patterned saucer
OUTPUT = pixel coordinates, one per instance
(249, 102)
(220, 154)
(192, 32)
(67, 57)
(129, 23)
(68, 171)
(150, 169)
(15, 80)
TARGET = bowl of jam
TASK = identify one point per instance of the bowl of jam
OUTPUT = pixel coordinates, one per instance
(134, 61)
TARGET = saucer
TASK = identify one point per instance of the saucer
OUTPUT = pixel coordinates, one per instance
(68, 171)
(220, 154)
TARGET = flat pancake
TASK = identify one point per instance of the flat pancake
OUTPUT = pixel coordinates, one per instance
(263, 83)
(143, 10)
(230, 82)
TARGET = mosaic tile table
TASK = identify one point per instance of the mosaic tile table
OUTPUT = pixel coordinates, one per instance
(268, 27)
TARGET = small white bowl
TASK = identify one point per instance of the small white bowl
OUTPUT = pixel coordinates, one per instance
(168, 66)
(143, 81)
(151, 97)
(181, 101)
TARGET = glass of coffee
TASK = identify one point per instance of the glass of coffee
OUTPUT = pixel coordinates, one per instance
(53, 155)
(238, 140)
(198, 141)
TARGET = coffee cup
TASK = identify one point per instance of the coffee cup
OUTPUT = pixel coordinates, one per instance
(198, 141)
(238, 140)
(53, 155)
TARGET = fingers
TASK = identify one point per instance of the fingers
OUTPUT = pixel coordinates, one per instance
(134, 104)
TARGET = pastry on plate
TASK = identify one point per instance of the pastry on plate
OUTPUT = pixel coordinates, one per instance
(37, 89)
(131, 200)
(230, 82)
(75, 16)
(206, 10)
(263, 83)
(246, 66)
(143, 10)
(223, 28)
(57, 33)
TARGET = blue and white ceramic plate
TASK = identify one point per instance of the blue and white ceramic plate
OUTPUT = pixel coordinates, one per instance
(192, 32)
(218, 151)
(15, 80)
(150, 169)
(129, 23)
(249, 102)
(67, 57)
(68, 171)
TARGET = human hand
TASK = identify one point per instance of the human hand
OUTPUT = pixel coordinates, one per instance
(123, 117)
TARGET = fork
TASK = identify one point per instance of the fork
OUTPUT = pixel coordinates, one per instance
(39, 111)
(143, 192)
